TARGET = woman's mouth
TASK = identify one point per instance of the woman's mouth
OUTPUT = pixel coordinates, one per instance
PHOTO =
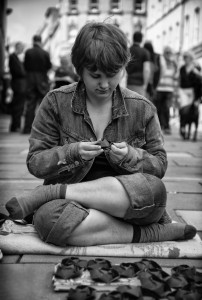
(102, 91)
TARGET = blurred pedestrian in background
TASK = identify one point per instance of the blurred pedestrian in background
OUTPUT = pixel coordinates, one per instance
(189, 81)
(165, 88)
(64, 74)
(6, 93)
(139, 67)
(154, 70)
(190, 92)
(18, 85)
(37, 65)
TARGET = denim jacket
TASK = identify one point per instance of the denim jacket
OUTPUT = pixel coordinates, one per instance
(62, 121)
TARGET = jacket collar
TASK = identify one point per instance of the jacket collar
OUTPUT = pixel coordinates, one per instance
(118, 102)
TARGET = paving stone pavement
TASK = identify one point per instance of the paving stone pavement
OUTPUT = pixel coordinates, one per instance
(30, 275)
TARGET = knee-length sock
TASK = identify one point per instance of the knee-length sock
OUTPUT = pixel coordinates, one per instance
(163, 232)
(25, 204)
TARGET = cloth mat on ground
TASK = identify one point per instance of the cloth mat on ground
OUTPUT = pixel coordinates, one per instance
(23, 239)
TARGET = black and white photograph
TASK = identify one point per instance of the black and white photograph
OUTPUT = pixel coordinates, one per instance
(100, 149)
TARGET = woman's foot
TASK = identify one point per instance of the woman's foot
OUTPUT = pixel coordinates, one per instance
(27, 203)
(166, 232)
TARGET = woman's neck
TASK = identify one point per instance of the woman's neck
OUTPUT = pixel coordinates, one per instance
(100, 113)
(95, 102)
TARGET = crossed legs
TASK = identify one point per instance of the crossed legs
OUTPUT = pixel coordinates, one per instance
(95, 212)
(105, 194)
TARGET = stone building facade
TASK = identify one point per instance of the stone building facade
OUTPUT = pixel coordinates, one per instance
(177, 23)
(65, 20)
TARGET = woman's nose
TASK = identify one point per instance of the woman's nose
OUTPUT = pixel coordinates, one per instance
(104, 83)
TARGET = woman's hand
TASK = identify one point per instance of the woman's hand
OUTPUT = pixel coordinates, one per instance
(118, 151)
(89, 150)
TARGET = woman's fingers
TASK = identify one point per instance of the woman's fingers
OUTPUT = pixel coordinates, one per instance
(89, 150)
(120, 145)
(119, 150)
(91, 146)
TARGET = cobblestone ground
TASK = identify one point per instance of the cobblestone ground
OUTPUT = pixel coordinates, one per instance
(30, 275)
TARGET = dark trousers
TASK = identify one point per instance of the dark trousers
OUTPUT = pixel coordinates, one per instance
(37, 87)
(17, 105)
(162, 102)
(33, 99)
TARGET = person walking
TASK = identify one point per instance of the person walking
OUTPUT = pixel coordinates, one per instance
(189, 81)
(154, 71)
(99, 149)
(165, 88)
(37, 64)
(18, 85)
(138, 69)
(190, 92)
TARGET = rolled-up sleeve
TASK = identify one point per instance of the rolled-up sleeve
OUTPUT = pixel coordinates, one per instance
(47, 157)
(152, 157)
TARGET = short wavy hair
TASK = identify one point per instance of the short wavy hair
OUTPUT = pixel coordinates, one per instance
(100, 46)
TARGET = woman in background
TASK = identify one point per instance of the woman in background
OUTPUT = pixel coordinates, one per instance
(189, 80)
(165, 88)
(154, 71)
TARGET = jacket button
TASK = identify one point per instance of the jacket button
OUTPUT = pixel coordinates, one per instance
(76, 163)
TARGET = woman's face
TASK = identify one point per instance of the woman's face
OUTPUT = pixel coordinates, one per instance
(99, 85)
(187, 59)
(168, 54)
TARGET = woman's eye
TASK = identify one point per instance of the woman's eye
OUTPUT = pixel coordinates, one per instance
(94, 76)
(111, 75)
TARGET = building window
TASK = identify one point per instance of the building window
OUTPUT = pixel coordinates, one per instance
(196, 25)
(116, 6)
(177, 37)
(172, 3)
(93, 6)
(73, 7)
(138, 26)
(186, 30)
(170, 37)
(139, 6)
(165, 6)
(116, 23)
(164, 40)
